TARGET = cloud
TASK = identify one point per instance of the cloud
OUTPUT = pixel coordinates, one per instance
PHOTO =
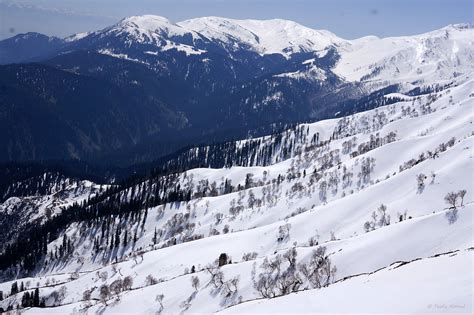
(26, 5)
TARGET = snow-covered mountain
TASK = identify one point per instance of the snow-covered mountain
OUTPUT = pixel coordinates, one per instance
(156, 31)
(437, 56)
(263, 36)
(434, 56)
(249, 74)
(377, 205)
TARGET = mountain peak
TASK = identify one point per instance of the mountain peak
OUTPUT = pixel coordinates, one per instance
(32, 35)
(149, 29)
(26, 47)
(147, 21)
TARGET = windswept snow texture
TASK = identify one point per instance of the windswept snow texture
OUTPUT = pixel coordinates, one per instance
(414, 255)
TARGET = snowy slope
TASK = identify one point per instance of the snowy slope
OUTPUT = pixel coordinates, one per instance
(19, 210)
(424, 286)
(51, 203)
(263, 36)
(432, 134)
(434, 56)
(368, 188)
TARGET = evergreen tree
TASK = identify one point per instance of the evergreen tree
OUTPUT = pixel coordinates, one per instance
(125, 238)
(155, 237)
(36, 298)
(117, 237)
(25, 299)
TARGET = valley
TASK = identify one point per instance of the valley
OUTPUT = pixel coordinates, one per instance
(374, 207)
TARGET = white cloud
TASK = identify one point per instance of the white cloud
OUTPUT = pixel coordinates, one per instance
(28, 5)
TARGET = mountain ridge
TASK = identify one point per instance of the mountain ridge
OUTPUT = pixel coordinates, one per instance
(239, 76)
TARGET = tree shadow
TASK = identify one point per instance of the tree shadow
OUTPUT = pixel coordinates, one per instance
(452, 216)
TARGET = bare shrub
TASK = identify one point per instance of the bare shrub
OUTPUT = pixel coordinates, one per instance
(150, 280)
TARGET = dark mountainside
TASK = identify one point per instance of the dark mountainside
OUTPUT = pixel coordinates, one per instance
(154, 104)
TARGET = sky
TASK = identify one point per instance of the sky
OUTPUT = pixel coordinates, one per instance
(346, 18)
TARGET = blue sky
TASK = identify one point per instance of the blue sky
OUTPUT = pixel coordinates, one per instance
(346, 18)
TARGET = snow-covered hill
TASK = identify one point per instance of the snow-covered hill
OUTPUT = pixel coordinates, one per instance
(437, 56)
(346, 207)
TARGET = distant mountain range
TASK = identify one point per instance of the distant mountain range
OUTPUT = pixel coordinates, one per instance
(144, 87)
